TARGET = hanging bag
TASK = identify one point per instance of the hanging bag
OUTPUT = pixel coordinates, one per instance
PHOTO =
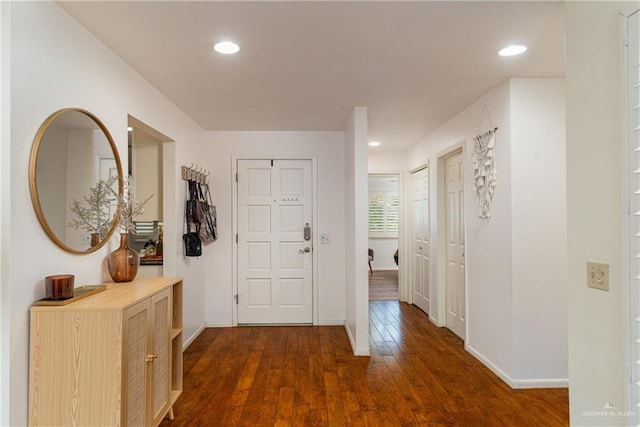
(206, 228)
(212, 217)
(191, 239)
(208, 231)
(195, 208)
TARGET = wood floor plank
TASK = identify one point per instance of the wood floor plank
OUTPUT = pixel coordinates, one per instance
(417, 375)
(286, 405)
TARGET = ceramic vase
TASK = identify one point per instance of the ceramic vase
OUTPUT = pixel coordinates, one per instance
(95, 239)
(123, 262)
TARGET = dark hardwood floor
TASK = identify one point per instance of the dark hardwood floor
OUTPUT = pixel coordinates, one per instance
(383, 285)
(417, 375)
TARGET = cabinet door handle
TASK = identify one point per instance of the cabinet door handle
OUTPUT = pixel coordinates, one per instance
(151, 357)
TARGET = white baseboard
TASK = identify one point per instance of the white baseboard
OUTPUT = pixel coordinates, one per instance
(192, 338)
(351, 339)
(330, 323)
(219, 325)
(356, 351)
(542, 383)
(362, 352)
(486, 362)
(513, 383)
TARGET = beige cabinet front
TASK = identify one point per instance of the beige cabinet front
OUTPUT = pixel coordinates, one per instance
(147, 327)
(114, 358)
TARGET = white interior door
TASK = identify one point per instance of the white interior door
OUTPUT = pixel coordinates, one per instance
(454, 275)
(420, 238)
(274, 259)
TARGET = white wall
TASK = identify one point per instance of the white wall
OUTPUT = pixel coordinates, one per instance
(357, 298)
(488, 242)
(328, 149)
(381, 161)
(56, 63)
(383, 250)
(595, 208)
(516, 309)
(539, 221)
(5, 203)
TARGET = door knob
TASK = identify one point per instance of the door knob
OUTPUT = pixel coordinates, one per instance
(305, 250)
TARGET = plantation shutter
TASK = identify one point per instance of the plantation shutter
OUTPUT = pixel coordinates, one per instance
(376, 212)
(391, 213)
(383, 214)
(633, 121)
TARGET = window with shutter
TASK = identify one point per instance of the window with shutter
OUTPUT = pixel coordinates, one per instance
(383, 214)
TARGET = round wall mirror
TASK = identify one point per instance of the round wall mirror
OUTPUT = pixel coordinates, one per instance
(75, 178)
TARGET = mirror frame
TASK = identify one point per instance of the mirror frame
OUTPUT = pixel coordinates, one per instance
(33, 182)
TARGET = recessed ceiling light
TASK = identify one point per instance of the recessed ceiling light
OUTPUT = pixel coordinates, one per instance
(374, 144)
(512, 50)
(227, 47)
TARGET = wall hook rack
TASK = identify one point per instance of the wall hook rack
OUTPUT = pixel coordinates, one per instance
(195, 173)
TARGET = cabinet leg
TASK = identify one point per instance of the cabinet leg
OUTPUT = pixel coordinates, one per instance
(171, 416)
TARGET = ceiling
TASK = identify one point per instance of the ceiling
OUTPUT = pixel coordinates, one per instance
(304, 65)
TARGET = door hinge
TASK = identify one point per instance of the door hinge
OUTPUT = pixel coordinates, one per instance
(626, 38)
(236, 237)
(236, 297)
(236, 177)
(271, 162)
(627, 206)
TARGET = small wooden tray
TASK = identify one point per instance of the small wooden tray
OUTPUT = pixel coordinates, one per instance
(78, 294)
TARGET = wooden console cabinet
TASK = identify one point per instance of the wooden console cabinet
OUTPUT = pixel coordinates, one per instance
(110, 359)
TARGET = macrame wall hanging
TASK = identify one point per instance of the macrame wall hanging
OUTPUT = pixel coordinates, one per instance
(484, 168)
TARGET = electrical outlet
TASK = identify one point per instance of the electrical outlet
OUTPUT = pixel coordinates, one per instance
(325, 239)
(598, 275)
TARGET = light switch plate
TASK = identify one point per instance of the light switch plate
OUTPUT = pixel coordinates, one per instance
(325, 239)
(598, 275)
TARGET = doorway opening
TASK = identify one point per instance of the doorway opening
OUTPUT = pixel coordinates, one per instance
(384, 232)
(149, 151)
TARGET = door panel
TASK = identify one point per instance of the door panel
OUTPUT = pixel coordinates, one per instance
(161, 351)
(274, 270)
(455, 270)
(136, 321)
(420, 238)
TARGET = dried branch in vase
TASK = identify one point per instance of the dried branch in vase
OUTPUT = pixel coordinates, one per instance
(93, 215)
(129, 207)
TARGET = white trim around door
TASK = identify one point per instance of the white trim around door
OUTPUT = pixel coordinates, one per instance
(313, 226)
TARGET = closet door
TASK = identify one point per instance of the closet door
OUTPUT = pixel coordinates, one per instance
(420, 259)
